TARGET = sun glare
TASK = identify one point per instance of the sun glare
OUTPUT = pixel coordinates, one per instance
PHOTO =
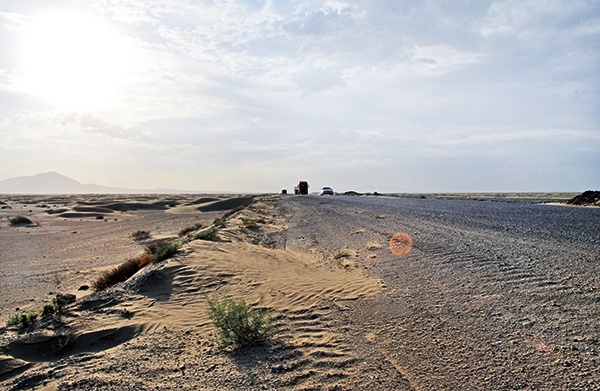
(73, 60)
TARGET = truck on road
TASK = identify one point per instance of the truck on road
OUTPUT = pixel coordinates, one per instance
(302, 188)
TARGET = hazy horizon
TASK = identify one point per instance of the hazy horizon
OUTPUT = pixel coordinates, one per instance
(253, 96)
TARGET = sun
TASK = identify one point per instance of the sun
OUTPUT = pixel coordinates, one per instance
(74, 61)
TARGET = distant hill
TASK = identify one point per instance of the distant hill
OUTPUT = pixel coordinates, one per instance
(55, 183)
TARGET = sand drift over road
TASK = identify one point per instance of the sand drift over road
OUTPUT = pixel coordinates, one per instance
(492, 296)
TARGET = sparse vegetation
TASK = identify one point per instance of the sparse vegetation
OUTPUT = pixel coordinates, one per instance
(23, 319)
(155, 252)
(343, 253)
(239, 324)
(208, 234)
(117, 274)
(372, 246)
(162, 251)
(141, 235)
(191, 228)
(55, 307)
(17, 220)
(220, 222)
(250, 223)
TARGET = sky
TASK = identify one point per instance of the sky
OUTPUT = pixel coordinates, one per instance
(253, 95)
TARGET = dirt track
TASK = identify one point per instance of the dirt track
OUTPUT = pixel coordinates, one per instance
(492, 296)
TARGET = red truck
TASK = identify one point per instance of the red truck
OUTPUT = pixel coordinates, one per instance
(302, 188)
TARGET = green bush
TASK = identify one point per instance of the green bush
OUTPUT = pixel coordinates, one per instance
(239, 324)
(55, 307)
(19, 220)
(48, 309)
(23, 319)
(163, 251)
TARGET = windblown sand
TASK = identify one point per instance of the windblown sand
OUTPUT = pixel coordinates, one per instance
(138, 322)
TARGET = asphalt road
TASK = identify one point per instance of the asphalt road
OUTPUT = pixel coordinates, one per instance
(494, 295)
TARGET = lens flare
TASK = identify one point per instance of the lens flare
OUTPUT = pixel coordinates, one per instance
(401, 244)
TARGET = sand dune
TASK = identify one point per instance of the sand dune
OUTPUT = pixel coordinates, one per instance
(304, 292)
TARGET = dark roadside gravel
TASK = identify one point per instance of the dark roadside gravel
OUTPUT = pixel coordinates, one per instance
(493, 296)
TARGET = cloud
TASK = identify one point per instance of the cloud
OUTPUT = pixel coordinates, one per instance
(258, 91)
(92, 124)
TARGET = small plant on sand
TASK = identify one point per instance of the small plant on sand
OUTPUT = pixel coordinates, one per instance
(187, 230)
(23, 319)
(238, 323)
(208, 234)
(343, 253)
(250, 223)
(141, 235)
(162, 251)
(19, 220)
(372, 246)
(55, 307)
(48, 309)
(220, 222)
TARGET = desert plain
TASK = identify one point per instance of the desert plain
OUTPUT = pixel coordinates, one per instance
(496, 293)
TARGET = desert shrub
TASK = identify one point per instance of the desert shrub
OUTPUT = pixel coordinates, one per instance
(19, 220)
(239, 324)
(48, 309)
(220, 222)
(117, 274)
(209, 234)
(249, 223)
(141, 235)
(156, 252)
(145, 259)
(185, 231)
(23, 319)
(162, 251)
(56, 306)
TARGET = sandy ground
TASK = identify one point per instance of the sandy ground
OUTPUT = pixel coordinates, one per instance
(156, 322)
(342, 326)
(75, 237)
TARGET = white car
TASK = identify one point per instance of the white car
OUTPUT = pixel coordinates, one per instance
(327, 191)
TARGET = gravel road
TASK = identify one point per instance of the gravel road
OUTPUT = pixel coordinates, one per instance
(493, 296)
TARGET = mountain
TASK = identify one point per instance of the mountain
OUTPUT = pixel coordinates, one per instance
(55, 183)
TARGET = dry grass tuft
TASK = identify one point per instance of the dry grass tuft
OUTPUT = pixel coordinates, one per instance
(188, 230)
(117, 274)
(372, 246)
(344, 253)
(141, 235)
(156, 252)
